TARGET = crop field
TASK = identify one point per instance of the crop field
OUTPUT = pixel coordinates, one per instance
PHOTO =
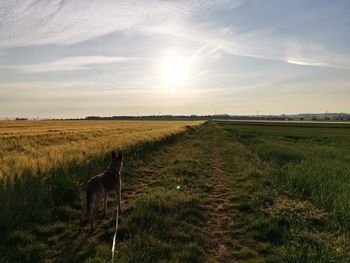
(43, 145)
(192, 191)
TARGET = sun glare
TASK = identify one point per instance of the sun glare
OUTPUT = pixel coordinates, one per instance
(174, 70)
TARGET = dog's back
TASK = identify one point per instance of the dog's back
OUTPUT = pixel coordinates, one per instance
(105, 183)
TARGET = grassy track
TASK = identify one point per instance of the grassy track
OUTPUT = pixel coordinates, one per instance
(205, 196)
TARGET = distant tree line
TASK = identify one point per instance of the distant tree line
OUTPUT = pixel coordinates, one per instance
(283, 117)
(189, 117)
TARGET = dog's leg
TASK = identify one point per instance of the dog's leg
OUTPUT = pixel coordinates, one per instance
(93, 212)
(105, 204)
(88, 206)
(97, 199)
(83, 214)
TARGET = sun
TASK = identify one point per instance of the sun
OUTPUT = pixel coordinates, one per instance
(174, 70)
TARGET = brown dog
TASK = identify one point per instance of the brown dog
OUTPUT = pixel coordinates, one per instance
(99, 187)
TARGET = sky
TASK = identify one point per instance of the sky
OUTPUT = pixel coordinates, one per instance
(68, 59)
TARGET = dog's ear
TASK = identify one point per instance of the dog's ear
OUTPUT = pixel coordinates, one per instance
(120, 155)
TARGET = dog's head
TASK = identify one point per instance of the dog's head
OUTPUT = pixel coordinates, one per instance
(117, 161)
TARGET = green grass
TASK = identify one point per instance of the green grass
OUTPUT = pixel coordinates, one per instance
(313, 160)
(309, 174)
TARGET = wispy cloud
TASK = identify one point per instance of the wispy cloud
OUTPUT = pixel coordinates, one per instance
(31, 22)
(308, 62)
(261, 44)
(67, 64)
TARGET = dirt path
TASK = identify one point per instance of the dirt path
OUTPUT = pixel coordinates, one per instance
(220, 208)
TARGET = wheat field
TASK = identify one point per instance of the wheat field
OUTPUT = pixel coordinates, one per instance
(30, 146)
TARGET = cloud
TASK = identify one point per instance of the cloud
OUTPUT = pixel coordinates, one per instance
(31, 22)
(264, 35)
(308, 62)
(262, 44)
(296, 33)
(69, 63)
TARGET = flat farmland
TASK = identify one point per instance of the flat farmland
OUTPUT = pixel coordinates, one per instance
(192, 192)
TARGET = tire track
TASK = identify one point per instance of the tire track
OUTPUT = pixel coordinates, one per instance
(219, 205)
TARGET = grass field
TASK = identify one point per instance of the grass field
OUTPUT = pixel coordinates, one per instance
(219, 192)
(311, 162)
(313, 159)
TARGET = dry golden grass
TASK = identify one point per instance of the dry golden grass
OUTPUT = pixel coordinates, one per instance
(27, 146)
